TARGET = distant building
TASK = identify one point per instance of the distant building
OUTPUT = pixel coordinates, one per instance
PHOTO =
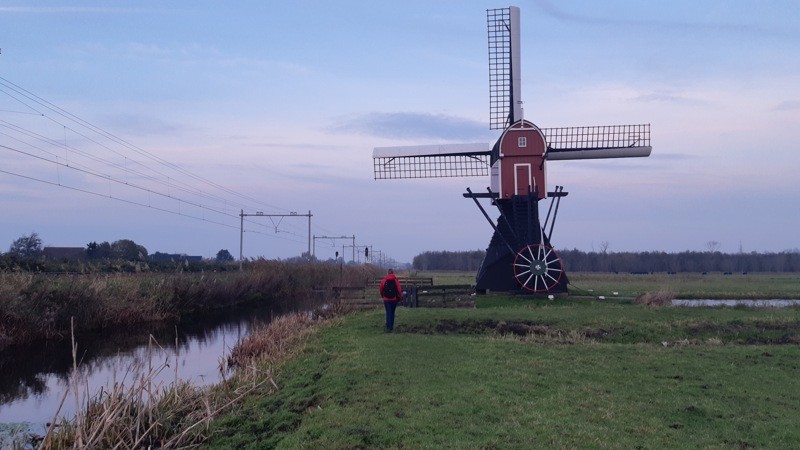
(65, 253)
(166, 257)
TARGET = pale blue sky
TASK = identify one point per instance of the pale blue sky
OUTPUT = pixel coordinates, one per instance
(282, 102)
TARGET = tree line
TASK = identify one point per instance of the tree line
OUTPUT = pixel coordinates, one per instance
(445, 260)
(28, 253)
(638, 262)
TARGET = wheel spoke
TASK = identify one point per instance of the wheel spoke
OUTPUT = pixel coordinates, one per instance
(525, 285)
(524, 257)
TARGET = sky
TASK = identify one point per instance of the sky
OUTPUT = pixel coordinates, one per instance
(160, 121)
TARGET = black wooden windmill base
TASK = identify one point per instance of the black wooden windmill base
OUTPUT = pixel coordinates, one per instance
(520, 258)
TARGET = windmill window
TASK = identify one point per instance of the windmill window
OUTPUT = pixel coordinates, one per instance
(522, 142)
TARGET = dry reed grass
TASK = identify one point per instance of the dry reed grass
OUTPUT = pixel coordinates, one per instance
(40, 306)
(663, 297)
(137, 412)
(277, 341)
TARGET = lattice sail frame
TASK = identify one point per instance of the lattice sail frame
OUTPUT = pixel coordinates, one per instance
(505, 80)
(431, 161)
(391, 168)
(597, 137)
(596, 142)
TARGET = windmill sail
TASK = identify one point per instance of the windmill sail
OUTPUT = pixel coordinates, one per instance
(608, 141)
(519, 257)
(431, 161)
(505, 79)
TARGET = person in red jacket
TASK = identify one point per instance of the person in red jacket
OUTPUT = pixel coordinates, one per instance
(392, 293)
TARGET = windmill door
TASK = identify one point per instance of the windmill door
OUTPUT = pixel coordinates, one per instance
(523, 181)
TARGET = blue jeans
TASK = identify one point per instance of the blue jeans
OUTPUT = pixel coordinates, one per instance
(390, 307)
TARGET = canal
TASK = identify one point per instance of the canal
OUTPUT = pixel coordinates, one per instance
(34, 379)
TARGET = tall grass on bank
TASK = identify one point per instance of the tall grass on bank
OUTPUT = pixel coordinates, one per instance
(136, 412)
(659, 298)
(40, 306)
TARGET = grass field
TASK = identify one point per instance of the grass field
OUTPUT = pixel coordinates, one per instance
(686, 286)
(505, 372)
(517, 373)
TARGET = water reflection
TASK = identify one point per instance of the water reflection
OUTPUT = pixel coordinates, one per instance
(766, 303)
(34, 379)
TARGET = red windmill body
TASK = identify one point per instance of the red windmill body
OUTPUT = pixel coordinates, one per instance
(520, 163)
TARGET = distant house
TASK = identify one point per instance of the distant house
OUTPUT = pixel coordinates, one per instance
(64, 253)
(166, 257)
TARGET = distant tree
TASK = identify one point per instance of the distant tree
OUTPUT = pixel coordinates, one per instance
(305, 257)
(26, 246)
(224, 256)
(128, 250)
(445, 260)
(97, 251)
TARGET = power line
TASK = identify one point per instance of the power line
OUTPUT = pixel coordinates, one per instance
(66, 114)
(100, 167)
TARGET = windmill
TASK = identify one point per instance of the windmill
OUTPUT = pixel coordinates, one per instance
(519, 257)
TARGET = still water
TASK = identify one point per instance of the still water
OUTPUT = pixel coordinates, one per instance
(34, 379)
(765, 303)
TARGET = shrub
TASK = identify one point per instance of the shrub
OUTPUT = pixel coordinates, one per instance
(659, 298)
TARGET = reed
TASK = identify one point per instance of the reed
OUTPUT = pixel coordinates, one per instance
(40, 306)
(662, 297)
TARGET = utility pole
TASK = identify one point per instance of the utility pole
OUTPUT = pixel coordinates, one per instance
(353, 247)
(334, 238)
(309, 232)
(242, 215)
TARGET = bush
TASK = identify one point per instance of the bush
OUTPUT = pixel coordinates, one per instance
(36, 305)
(659, 298)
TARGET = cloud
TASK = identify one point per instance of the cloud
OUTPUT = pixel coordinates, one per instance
(406, 125)
(673, 156)
(547, 7)
(664, 97)
(143, 125)
(788, 105)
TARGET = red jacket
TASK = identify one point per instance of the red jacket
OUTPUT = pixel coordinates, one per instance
(391, 278)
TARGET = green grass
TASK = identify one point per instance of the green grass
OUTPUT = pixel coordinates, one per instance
(759, 285)
(684, 285)
(568, 373)
(445, 276)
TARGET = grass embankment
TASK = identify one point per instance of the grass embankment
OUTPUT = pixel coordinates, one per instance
(534, 373)
(41, 306)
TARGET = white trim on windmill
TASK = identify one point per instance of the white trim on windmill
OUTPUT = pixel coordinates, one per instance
(629, 152)
(516, 69)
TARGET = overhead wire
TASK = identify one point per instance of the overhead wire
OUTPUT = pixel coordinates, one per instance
(170, 183)
(46, 104)
(60, 111)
